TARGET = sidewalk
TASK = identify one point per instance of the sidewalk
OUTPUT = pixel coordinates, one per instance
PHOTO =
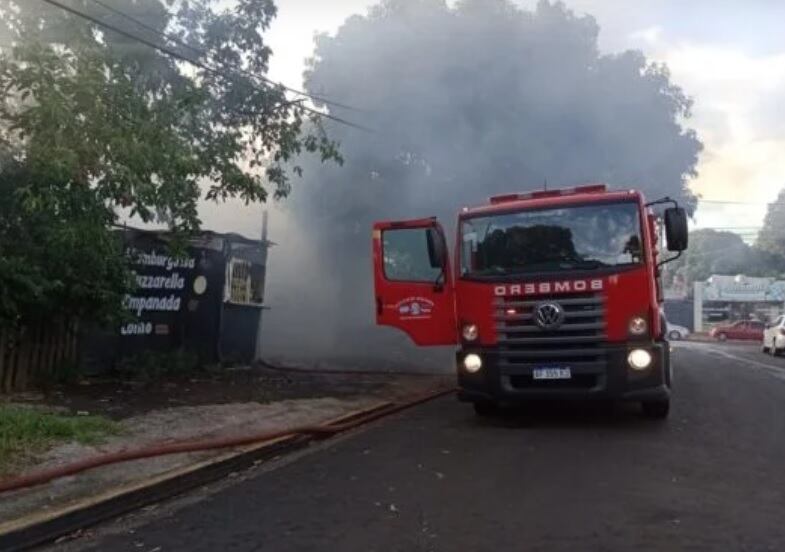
(233, 403)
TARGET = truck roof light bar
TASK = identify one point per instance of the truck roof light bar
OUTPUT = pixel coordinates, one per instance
(586, 189)
(590, 189)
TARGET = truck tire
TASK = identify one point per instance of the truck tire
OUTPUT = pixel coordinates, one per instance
(485, 408)
(657, 410)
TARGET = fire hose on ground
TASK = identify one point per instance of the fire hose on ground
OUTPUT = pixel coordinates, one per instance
(199, 445)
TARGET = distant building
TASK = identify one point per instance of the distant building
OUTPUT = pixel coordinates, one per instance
(208, 303)
(723, 298)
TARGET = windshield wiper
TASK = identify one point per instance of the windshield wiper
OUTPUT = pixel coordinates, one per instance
(586, 265)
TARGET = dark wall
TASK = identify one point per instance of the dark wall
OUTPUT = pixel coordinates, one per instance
(238, 334)
(202, 313)
(177, 300)
(176, 306)
(97, 349)
(680, 312)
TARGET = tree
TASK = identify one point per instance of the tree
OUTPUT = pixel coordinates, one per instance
(57, 257)
(713, 252)
(772, 236)
(710, 252)
(93, 120)
(467, 101)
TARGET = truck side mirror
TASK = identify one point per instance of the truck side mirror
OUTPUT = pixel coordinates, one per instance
(676, 232)
(437, 249)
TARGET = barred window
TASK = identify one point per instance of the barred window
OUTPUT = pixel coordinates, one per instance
(245, 283)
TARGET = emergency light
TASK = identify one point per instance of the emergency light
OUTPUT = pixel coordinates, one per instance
(539, 194)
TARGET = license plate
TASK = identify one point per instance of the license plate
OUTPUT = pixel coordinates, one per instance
(551, 373)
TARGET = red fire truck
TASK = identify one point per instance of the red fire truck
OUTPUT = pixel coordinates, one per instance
(553, 294)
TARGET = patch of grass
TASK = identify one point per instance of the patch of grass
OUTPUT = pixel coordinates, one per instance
(153, 366)
(26, 431)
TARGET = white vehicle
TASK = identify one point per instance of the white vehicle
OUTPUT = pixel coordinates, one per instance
(774, 337)
(676, 332)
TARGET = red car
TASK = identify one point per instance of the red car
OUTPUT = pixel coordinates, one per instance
(743, 329)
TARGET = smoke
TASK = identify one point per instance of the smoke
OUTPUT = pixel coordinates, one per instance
(465, 101)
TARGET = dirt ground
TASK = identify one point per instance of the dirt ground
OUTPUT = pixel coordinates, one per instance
(120, 398)
(229, 401)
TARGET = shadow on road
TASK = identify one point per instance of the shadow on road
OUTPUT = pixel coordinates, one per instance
(573, 414)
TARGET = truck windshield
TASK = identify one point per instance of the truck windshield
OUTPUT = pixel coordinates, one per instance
(584, 237)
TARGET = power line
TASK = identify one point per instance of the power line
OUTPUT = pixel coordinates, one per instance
(172, 53)
(728, 228)
(726, 231)
(695, 254)
(710, 227)
(691, 254)
(751, 235)
(206, 54)
(751, 203)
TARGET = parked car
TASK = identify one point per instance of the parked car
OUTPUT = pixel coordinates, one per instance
(774, 337)
(676, 332)
(743, 329)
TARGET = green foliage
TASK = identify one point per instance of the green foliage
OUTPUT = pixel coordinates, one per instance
(152, 365)
(57, 256)
(25, 431)
(92, 121)
(713, 252)
(772, 236)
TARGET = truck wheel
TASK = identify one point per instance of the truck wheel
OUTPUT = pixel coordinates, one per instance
(674, 335)
(657, 410)
(485, 408)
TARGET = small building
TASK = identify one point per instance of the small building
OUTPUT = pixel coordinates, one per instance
(724, 298)
(207, 302)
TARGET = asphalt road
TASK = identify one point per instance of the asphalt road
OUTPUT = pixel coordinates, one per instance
(569, 478)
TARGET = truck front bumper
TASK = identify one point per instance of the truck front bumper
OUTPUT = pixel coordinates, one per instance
(612, 378)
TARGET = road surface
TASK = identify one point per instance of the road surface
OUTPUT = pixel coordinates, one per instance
(576, 478)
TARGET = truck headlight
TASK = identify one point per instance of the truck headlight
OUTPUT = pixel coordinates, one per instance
(638, 325)
(639, 359)
(470, 332)
(472, 363)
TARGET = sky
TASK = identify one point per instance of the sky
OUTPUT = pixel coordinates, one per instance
(729, 56)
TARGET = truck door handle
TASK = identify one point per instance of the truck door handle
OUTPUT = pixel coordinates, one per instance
(379, 305)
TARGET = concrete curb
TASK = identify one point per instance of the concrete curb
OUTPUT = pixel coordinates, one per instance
(40, 528)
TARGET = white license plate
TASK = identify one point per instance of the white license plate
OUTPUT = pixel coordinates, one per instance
(551, 373)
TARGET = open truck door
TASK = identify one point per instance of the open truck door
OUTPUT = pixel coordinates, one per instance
(412, 281)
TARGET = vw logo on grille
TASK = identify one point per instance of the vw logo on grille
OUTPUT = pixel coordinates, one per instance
(549, 316)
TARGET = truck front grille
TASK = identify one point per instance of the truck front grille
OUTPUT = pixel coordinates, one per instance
(579, 340)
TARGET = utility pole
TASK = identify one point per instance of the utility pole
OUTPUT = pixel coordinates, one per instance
(262, 308)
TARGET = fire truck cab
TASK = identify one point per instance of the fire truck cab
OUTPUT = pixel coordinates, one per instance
(550, 295)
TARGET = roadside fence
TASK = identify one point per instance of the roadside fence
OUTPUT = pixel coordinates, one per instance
(31, 355)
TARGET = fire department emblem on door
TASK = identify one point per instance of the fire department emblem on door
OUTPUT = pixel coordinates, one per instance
(549, 316)
(414, 307)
